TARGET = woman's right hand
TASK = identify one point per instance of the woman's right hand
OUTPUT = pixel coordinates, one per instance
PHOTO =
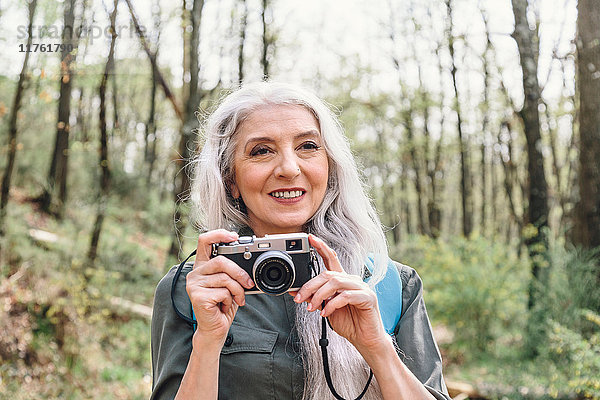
(215, 287)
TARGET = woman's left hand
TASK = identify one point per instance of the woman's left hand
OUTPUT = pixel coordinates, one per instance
(347, 301)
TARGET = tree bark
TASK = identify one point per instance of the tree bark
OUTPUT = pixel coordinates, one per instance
(150, 149)
(485, 126)
(150, 139)
(57, 176)
(266, 41)
(103, 160)
(435, 171)
(12, 125)
(190, 121)
(408, 125)
(81, 118)
(242, 41)
(587, 229)
(537, 210)
(465, 176)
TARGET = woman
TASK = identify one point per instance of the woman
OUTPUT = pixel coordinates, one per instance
(275, 160)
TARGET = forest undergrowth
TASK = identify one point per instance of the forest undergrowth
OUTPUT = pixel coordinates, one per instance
(64, 337)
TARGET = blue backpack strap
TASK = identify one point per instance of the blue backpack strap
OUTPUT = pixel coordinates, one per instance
(389, 295)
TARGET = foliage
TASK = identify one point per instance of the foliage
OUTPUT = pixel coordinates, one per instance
(474, 287)
(577, 355)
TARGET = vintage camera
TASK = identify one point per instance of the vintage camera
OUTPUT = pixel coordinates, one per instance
(276, 263)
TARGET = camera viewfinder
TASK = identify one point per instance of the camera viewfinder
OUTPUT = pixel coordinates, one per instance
(292, 245)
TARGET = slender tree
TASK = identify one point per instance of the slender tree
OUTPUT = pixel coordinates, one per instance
(465, 175)
(150, 145)
(435, 170)
(57, 175)
(12, 125)
(587, 228)
(267, 40)
(537, 208)
(242, 40)
(191, 101)
(103, 159)
(485, 124)
(152, 57)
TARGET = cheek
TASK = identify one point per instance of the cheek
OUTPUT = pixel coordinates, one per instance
(321, 176)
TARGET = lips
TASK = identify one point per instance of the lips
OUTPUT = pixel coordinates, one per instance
(287, 194)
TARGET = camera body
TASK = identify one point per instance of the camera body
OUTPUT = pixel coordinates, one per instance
(276, 263)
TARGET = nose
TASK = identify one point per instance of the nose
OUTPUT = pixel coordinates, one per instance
(287, 167)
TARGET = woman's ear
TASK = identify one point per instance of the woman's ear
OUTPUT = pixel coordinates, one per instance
(235, 193)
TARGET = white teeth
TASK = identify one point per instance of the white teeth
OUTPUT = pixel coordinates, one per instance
(287, 194)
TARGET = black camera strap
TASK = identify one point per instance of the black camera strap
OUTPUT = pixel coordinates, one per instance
(323, 342)
(187, 319)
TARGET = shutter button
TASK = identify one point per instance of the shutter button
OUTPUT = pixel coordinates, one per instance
(229, 340)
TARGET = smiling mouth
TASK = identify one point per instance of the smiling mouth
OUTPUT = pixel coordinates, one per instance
(287, 194)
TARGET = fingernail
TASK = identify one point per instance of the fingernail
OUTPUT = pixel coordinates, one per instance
(250, 283)
(297, 298)
(310, 307)
(322, 313)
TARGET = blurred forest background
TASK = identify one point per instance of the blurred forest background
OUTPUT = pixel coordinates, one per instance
(477, 124)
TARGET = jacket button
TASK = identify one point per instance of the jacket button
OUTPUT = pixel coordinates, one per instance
(229, 340)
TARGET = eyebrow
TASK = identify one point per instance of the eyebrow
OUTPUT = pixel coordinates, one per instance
(301, 135)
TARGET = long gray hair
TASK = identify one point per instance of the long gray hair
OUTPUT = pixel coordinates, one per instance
(346, 219)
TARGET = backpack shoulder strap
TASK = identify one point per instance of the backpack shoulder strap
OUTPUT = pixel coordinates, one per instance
(389, 295)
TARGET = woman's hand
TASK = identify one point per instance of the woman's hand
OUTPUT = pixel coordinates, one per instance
(215, 287)
(348, 302)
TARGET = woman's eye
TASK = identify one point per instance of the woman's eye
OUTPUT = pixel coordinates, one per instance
(259, 151)
(309, 146)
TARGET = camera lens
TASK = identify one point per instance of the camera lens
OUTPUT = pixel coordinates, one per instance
(274, 272)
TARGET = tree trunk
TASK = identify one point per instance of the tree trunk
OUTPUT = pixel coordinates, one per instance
(150, 149)
(152, 57)
(537, 210)
(12, 125)
(408, 124)
(436, 172)
(485, 128)
(57, 175)
(150, 138)
(242, 41)
(81, 119)
(103, 161)
(587, 228)
(465, 177)
(190, 121)
(406, 202)
(266, 41)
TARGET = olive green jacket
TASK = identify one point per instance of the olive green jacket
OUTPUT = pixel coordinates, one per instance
(261, 356)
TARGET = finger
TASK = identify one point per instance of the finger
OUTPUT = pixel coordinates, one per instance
(331, 288)
(207, 239)
(226, 304)
(206, 299)
(357, 298)
(225, 265)
(220, 280)
(327, 254)
(309, 288)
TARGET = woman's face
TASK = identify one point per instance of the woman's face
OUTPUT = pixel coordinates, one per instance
(281, 168)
